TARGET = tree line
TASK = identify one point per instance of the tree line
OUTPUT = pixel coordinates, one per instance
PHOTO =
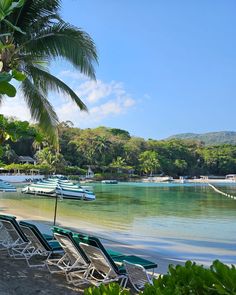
(112, 151)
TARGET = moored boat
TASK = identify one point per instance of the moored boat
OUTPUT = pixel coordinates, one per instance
(61, 187)
(6, 187)
(75, 193)
(109, 181)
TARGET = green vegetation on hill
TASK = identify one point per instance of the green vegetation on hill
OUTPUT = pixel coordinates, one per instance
(112, 152)
(210, 138)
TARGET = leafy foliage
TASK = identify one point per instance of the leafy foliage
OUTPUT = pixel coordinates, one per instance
(112, 154)
(111, 289)
(191, 278)
(209, 138)
(7, 49)
(39, 35)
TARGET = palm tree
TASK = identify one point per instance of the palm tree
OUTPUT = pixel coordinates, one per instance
(42, 38)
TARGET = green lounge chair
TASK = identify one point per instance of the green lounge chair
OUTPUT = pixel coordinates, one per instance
(111, 265)
(115, 259)
(12, 238)
(102, 270)
(38, 245)
(71, 261)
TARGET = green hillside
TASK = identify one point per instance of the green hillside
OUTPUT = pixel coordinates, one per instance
(209, 138)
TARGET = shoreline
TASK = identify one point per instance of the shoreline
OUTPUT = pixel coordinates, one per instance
(162, 249)
(108, 240)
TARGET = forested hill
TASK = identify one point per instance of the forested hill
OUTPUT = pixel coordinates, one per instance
(112, 151)
(210, 138)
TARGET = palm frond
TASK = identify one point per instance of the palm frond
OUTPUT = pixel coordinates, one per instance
(33, 10)
(41, 110)
(66, 41)
(49, 82)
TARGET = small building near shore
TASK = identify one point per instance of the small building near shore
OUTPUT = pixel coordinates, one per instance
(26, 160)
(231, 177)
(89, 174)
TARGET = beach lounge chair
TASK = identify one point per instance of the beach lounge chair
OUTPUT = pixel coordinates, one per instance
(102, 270)
(113, 258)
(137, 275)
(12, 238)
(72, 260)
(38, 245)
(110, 261)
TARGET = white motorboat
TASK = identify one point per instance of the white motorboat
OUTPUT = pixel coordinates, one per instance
(75, 193)
(6, 187)
(109, 181)
(62, 187)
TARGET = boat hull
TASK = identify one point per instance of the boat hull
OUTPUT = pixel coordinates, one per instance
(73, 194)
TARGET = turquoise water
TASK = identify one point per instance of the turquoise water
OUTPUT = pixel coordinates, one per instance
(179, 221)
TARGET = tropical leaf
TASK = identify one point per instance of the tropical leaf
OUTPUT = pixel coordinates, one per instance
(47, 37)
(5, 77)
(40, 108)
(52, 83)
(8, 89)
(68, 42)
(19, 76)
(7, 7)
(15, 28)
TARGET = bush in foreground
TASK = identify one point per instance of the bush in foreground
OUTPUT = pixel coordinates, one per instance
(191, 278)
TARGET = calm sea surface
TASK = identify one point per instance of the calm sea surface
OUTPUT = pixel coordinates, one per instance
(179, 221)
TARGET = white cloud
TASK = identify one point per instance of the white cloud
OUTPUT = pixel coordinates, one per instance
(15, 107)
(104, 101)
(95, 91)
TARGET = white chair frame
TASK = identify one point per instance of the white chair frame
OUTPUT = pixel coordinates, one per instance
(34, 248)
(137, 275)
(101, 265)
(11, 240)
(72, 261)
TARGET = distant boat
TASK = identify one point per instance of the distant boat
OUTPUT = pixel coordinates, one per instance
(61, 187)
(6, 187)
(158, 179)
(109, 181)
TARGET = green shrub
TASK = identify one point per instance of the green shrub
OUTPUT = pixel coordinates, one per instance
(225, 278)
(117, 176)
(74, 170)
(195, 279)
(189, 279)
(111, 289)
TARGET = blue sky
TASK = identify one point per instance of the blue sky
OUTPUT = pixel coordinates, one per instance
(165, 67)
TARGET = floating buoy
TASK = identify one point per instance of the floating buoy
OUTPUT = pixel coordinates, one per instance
(222, 193)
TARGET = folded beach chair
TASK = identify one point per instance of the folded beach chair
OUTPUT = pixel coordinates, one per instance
(72, 260)
(12, 238)
(137, 275)
(38, 245)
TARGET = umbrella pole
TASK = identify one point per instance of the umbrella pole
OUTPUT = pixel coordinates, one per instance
(55, 211)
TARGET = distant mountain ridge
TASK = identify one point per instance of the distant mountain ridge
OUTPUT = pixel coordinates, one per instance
(209, 138)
